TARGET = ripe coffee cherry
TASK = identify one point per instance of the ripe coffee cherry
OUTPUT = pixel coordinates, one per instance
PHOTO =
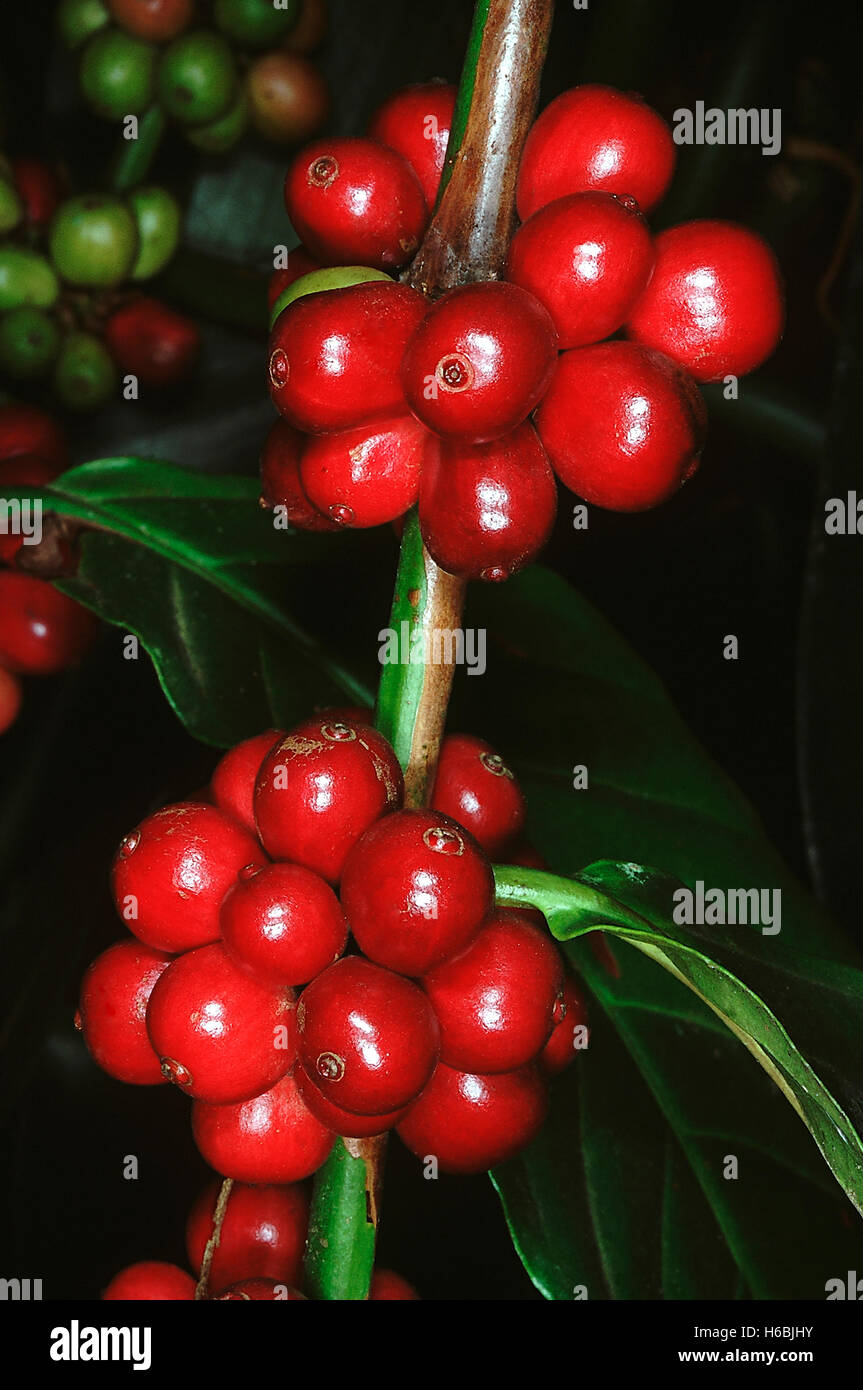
(39, 188)
(22, 471)
(355, 202)
(221, 1036)
(272, 1138)
(335, 357)
(300, 263)
(151, 1280)
(172, 872)
(157, 20)
(498, 1001)
(594, 137)
(567, 1037)
(41, 630)
(288, 98)
(715, 301)
(112, 1013)
(153, 342)
(263, 1234)
(623, 426)
(10, 699)
(415, 122)
(333, 277)
(480, 361)
(368, 1038)
(470, 1123)
(587, 258)
(26, 430)
(387, 1286)
(368, 475)
(232, 784)
(415, 891)
(282, 924)
(475, 787)
(486, 510)
(340, 1121)
(321, 788)
(280, 479)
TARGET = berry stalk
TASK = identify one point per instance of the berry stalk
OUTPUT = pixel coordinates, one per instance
(134, 157)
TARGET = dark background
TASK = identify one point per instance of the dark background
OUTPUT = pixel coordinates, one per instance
(95, 750)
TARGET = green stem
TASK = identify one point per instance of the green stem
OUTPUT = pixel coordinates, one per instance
(134, 158)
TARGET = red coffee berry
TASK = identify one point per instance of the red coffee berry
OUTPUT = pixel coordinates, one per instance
(16, 474)
(415, 890)
(475, 787)
(498, 1001)
(156, 20)
(41, 630)
(568, 1036)
(715, 302)
(340, 1121)
(321, 788)
(300, 263)
(280, 479)
(480, 361)
(368, 1038)
(10, 699)
(587, 258)
(471, 1123)
(387, 1286)
(248, 1290)
(416, 123)
(593, 137)
(283, 924)
(150, 1281)
(355, 202)
(335, 356)
(39, 188)
(263, 1234)
(272, 1138)
(487, 510)
(172, 871)
(221, 1036)
(232, 784)
(153, 342)
(26, 430)
(623, 426)
(112, 1013)
(368, 475)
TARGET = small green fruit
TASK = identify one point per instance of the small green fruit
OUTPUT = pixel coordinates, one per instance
(197, 77)
(85, 376)
(78, 20)
(94, 241)
(256, 23)
(26, 278)
(29, 342)
(222, 135)
(337, 277)
(117, 74)
(158, 219)
(11, 210)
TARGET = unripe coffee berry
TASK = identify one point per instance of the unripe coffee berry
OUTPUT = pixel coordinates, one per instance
(112, 1012)
(272, 1138)
(352, 201)
(150, 1281)
(470, 1123)
(41, 630)
(263, 1234)
(416, 123)
(623, 426)
(415, 890)
(487, 510)
(221, 1036)
(300, 263)
(368, 1038)
(343, 1122)
(365, 476)
(172, 871)
(587, 258)
(480, 361)
(283, 924)
(715, 302)
(232, 785)
(594, 137)
(281, 485)
(569, 1035)
(475, 787)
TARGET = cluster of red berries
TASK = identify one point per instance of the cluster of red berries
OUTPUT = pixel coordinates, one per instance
(388, 400)
(444, 1022)
(246, 66)
(42, 631)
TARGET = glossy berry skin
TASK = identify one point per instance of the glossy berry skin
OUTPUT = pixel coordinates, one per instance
(300, 263)
(470, 1122)
(623, 426)
(567, 1037)
(272, 1138)
(415, 890)
(150, 1281)
(232, 785)
(594, 137)
(340, 1121)
(715, 302)
(172, 871)
(10, 699)
(156, 20)
(368, 1038)
(498, 1001)
(22, 471)
(416, 122)
(368, 475)
(389, 1287)
(352, 201)
(112, 1011)
(480, 361)
(221, 1036)
(587, 258)
(487, 510)
(153, 342)
(335, 357)
(283, 924)
(41, 630)
(321, 788)
(24, 429)
(281, 485)
(475, 787)
(263, 1234)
